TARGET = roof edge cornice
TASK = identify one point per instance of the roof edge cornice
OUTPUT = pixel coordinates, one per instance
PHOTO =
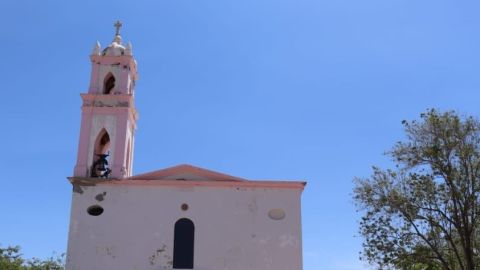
(83, 181)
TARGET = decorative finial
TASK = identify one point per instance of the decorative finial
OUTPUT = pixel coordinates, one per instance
(128, 49)
(118, 24)
(96, 49)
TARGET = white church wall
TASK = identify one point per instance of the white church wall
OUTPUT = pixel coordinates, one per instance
(233, 230)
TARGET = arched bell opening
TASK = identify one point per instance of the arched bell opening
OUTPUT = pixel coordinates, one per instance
(108, 84)
(100, 155)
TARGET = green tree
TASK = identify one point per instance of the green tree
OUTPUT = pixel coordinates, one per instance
(424, 213)
(11, 259)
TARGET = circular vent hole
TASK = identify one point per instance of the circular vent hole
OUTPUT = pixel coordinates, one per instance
(95, 210)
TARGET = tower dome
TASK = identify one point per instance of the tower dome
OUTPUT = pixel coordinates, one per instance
(115, 48)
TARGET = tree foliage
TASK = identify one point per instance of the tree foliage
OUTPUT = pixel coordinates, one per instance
(11, 259)
(424, 214)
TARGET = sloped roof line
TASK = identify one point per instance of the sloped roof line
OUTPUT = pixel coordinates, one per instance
(185, 169)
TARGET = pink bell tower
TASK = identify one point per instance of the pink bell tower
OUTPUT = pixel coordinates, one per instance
(109, 116)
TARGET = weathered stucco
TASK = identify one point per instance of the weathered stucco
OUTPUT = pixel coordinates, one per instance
(233, 229)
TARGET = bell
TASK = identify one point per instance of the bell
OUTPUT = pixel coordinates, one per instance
(100, 166)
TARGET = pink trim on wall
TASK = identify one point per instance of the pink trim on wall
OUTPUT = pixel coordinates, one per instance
(188, 183)
(119, 97)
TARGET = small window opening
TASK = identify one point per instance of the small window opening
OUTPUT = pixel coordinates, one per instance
(183, 244)
(109, 84)
(95, 210)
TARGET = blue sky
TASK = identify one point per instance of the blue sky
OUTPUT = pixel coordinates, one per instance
(262, 89)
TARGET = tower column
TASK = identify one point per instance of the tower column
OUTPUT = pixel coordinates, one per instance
(94, 78)
(119, 166)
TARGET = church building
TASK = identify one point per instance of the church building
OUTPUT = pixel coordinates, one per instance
(182, 217)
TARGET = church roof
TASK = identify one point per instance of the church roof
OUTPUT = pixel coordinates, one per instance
(186, 172)
(188, 175)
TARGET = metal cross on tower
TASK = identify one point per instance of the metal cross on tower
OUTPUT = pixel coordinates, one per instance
(118, 25)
